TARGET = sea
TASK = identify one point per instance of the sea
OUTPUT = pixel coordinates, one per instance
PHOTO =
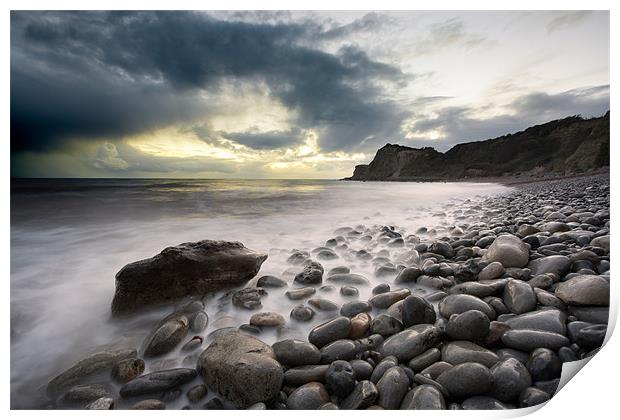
(69, 237)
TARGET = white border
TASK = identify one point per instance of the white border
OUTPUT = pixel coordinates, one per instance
(591, 394)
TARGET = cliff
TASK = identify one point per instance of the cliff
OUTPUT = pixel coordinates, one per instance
(563, 147)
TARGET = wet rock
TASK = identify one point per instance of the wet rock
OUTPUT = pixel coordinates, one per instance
(127, 369)
(508, 250)
(327, 255)
(457, 352)
(298, 257)
(351, 309)
(519, 297)
(349, 279)
(392, 388)
(411, 342)
(302, 313)
(293, 352)
(84, 394)
(382, 367)
(423, 397)
(467, 380)
(308, 397)
(360, 324)
(457, 304)
(361, 368)
(510, 378)
(593, 314)
(171, 395)
(417, 310)
(324, 305)
(363, 396)
(551, 320)
(408, 275)
(214, 404)
(270, 281)
(349, 291)
(267, 319)
(385, 325)
(248, 298)
(543, 364)
(482, 402)
(340, 378)
(301, 375)
(533, 396)
(584, 290)
(193, 344)
(424, 360)
(601, 242)
(385, 300)
(91, 365)
(470, 325)
(528, 340)
(189, 269)
(339, 270)
(329, 331)
(492, 271)
(166, 337)
(103, 403)
(436, 369)
(197, 393)
(591, 337)
(157, 382)
(199, 322)
(301, 293)
(557, 264)
(241, 367)
(380, 288)
(311, 274)
(343, 349)
(149, 405)
(442, 248)
(257, 406)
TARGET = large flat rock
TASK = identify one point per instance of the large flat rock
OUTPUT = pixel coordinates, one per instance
(189, 269)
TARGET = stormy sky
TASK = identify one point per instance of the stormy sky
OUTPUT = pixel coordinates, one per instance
(286, 94)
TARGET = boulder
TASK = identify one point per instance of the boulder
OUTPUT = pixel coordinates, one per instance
(91, 365)
(192, 268)
(241, 368)
(508, 250)
(584, 290)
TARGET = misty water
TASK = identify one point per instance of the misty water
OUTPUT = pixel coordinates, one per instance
(70, 237)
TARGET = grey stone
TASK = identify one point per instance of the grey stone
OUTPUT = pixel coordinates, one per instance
(242, 368)
(411, 342)
(467, 380)
(363, 396)
(510, 378)
(293, 352)
(189, 269)
(157, 382)
(310, 396)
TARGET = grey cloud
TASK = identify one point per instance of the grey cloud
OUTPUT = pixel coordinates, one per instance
(459, 125)
(448, 33)
(98, 74)
(567, 19)
(369, 22)
(266, 140)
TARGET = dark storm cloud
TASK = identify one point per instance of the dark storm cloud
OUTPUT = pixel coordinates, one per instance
(458, 124)
(98, 74)
(266, 140)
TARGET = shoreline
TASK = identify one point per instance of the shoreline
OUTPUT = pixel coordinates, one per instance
(509, 181)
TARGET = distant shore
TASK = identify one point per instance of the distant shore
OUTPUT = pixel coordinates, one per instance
(510, 180)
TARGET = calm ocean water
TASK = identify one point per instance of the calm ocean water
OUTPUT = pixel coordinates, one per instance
(70, 237)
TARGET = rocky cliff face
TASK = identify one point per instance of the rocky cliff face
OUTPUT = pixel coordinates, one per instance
(562, 147)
